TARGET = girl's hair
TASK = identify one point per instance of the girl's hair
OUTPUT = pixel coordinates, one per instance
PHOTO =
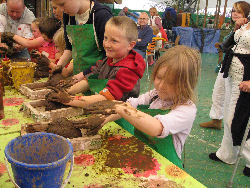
(59, 39)
(125, 24)
(242, 7)
(156, 30)
(153, 9)
(49, 26)
(182, 64)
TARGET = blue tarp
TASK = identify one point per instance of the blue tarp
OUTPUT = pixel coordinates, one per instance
(192, 37)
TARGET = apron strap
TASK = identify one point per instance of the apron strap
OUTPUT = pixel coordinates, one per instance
(96, 40)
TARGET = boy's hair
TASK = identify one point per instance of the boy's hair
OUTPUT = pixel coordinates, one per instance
(49, 26)
(156, 30)
(183, 65)
(59, 39)
(125, 24)
(37, 21)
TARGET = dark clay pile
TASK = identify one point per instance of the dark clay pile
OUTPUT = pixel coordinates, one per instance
(69, 128)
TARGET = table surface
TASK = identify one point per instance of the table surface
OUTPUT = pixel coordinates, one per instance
(122, 161)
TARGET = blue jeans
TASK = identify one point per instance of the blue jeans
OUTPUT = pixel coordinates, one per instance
(143, 54)
(24, 54)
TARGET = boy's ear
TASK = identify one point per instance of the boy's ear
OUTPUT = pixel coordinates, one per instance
(132, 44)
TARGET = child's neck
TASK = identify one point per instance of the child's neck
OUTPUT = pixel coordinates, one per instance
(82, 10)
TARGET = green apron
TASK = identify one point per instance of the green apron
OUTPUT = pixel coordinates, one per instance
(164, 146)
(85, 48)
(95, 84)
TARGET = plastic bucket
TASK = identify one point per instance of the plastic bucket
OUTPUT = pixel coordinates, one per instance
(22, 73)
(39, 160)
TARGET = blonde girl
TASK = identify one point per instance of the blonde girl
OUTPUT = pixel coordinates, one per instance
(60, 44)
(163, 117)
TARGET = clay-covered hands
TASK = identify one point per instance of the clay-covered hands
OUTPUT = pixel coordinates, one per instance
(105, 107)
(39, 58)
(92, 123)
(58, 95)
(56, 69)
(245, 86)
(7, 38)
(78, 77)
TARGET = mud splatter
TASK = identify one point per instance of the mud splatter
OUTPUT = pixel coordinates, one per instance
(84, 160)
(159, 182)
(13, 101)
(2, 169)
(10, 122)
(130, 155)
(176, 172)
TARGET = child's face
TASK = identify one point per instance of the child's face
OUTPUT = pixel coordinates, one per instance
(165, 88)
(57, 11)
(115, 43)
(35, 30)
(73, 7)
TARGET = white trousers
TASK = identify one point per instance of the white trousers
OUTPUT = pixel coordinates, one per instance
(227, 152)
(218, 98)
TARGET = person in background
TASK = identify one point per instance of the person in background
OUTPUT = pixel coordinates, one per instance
(125, 12)
(154, 19)
(82, 18)
(218, 96)
(16, 18)
(116, 77)
(236, 69)
(210, 24)
(145, 34)
(164, 116)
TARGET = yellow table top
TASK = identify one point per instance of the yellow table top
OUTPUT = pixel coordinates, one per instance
(122, 161)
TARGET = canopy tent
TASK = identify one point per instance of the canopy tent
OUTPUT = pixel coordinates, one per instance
(146, 4)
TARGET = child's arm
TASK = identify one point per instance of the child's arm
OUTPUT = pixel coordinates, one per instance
(29, 43)
(79, 87)
(83, 101)
(140, 120)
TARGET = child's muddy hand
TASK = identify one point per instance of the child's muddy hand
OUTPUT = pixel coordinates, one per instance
(102, 107)
(78, 77)
(56, 69)
(90, 122)
(35, 54)
(58, 95)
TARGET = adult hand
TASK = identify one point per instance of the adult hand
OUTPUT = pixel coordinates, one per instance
(245, 86)
(240, 22)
